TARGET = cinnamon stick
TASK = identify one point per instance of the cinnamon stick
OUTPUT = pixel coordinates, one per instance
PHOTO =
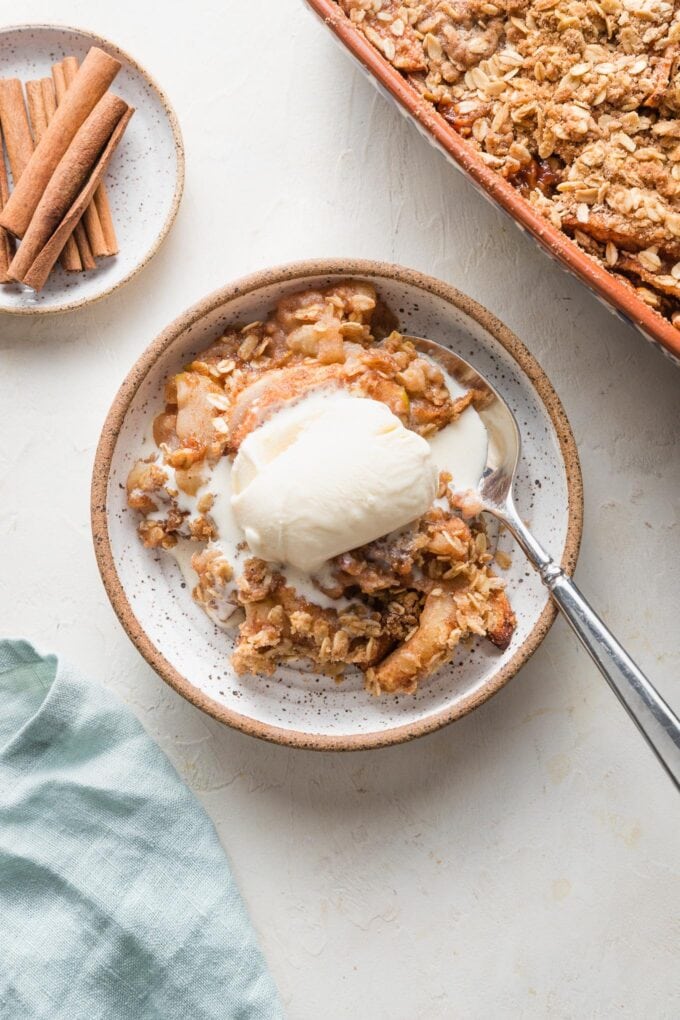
(89, 86)
(19, 145)
(6, 240)
(100, 134)
(36, 108)
(49, 97)
(97, 218)
(42, 104)
(101, 200)
(68, 179)
(41, 268)
(17, 133)
(82, 256)
(36, 93)
(90, 221)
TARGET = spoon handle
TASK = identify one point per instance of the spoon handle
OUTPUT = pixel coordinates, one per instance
(654, 718)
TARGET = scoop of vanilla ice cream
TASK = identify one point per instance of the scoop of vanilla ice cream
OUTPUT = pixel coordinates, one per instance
(326, 475)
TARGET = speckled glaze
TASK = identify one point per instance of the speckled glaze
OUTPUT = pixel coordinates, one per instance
(144, 180)
(296, 707)
(619, 299)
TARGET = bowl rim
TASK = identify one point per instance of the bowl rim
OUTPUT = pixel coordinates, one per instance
(354, 268)
(655, 328)
(119, 52)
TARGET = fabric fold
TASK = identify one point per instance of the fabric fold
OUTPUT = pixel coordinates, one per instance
(116, 896)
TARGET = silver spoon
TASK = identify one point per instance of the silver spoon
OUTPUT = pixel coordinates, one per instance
(650, 713)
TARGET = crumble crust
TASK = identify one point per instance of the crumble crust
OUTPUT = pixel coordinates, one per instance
(575, 102)
(405, 602)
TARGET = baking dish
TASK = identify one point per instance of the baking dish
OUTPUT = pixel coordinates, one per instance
(621, 300)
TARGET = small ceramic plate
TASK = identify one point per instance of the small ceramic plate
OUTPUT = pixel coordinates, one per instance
(295, 707)
(144, 179)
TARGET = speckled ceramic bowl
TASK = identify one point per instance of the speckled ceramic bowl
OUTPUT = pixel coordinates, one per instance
(144, 180)
(295, 707)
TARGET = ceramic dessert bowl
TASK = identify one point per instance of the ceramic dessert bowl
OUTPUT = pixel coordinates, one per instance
(144, 179)
(294, 706)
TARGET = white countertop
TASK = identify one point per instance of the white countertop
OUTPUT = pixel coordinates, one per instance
(524, 861)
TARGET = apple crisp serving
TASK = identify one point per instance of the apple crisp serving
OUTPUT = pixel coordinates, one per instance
(575, 102)
(398, 607)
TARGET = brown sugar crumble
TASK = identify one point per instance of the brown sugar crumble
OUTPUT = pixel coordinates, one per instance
(575, 102)
(404, 602)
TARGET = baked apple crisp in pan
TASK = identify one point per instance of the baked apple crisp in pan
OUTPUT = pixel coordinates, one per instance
(298, 473)
(575, 102)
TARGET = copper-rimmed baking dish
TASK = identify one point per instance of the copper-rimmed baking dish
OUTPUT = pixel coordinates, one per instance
(620, 299)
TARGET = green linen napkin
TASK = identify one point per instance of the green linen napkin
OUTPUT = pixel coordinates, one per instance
(116, 900)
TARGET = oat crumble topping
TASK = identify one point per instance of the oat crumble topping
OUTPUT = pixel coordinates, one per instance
(405, 602)
(575, 102)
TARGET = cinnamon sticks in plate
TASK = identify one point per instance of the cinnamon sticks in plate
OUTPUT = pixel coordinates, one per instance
(58, 205)
(92, 81)
(69, 191)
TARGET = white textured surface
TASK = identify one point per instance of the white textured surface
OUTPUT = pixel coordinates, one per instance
(524, 861)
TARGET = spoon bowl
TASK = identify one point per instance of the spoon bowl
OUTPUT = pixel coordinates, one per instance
(504, 439)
